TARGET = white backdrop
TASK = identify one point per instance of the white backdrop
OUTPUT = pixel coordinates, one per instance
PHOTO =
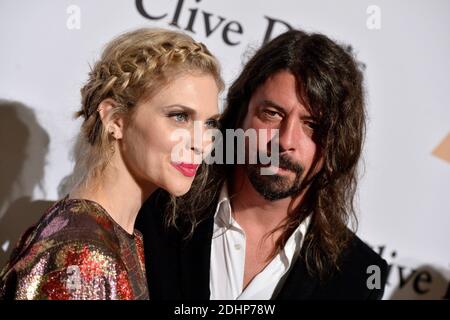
(404, 195)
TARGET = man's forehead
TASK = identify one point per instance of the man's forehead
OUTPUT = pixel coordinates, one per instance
(280, 91)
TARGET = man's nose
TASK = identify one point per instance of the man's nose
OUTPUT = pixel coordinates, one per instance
(288, 134)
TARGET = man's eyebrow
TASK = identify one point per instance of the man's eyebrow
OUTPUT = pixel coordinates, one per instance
(308, 117)
(282, 110)
(272, 104)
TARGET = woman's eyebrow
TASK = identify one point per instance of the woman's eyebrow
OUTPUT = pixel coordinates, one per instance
(215, 117)
(187, 109)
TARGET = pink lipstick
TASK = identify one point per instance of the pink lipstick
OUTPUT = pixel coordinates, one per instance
(187, 169)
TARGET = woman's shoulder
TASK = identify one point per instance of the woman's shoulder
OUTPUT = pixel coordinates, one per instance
(68, 223)
(71, 269)
(77, 221)
(73, 248)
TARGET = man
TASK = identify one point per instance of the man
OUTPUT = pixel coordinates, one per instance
(285, 235)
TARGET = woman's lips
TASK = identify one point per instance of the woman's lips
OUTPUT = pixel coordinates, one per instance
(187, 169)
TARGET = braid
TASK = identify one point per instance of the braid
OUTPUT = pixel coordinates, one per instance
(132, 67)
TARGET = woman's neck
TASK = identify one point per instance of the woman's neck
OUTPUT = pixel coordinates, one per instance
(118, 192)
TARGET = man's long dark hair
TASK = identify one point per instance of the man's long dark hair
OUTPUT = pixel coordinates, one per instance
(330, 81)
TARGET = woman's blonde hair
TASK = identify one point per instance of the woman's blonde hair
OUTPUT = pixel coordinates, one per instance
(133, 67)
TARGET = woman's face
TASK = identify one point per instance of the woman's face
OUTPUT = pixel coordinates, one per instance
(152, 133)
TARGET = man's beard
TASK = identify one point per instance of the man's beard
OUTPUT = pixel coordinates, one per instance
(276, 186)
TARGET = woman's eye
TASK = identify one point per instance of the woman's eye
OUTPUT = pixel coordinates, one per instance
(211, 124)
(179, 116)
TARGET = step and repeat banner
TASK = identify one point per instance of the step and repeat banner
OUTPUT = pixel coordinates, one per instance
(404, 193)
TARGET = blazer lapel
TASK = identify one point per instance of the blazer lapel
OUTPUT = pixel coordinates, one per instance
(299, 284)
(195, 262)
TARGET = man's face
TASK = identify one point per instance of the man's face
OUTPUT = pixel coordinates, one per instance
(276, 105)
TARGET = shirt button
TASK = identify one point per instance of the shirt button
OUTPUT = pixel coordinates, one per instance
(237, 246)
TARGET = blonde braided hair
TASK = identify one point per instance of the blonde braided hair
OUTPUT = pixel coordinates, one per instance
(133, 67)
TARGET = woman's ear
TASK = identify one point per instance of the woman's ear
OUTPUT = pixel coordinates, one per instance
(113, 123)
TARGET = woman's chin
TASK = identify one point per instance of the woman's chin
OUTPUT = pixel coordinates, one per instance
(178, 190)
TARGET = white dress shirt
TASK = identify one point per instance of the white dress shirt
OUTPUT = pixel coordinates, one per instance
(228, 258)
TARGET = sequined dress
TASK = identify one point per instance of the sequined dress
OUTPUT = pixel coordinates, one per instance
(76, 252)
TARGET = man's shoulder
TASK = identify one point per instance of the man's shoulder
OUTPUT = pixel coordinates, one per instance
(151, 215)
(362, 272)
(359, 253)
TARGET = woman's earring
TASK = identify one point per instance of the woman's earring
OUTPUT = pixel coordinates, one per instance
(112, 145)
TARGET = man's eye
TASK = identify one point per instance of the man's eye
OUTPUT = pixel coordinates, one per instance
(179, 116)
(310, 127)
(311, 124)
(271, 114)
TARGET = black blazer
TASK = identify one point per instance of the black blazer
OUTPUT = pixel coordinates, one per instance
(179, 269)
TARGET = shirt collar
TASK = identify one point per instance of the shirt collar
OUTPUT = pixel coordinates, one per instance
(224, 219)
(295, 241)
(222, 216)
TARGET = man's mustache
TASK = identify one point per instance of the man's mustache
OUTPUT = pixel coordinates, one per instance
(284, 162)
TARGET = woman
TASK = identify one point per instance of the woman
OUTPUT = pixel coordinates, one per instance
(148, 84)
